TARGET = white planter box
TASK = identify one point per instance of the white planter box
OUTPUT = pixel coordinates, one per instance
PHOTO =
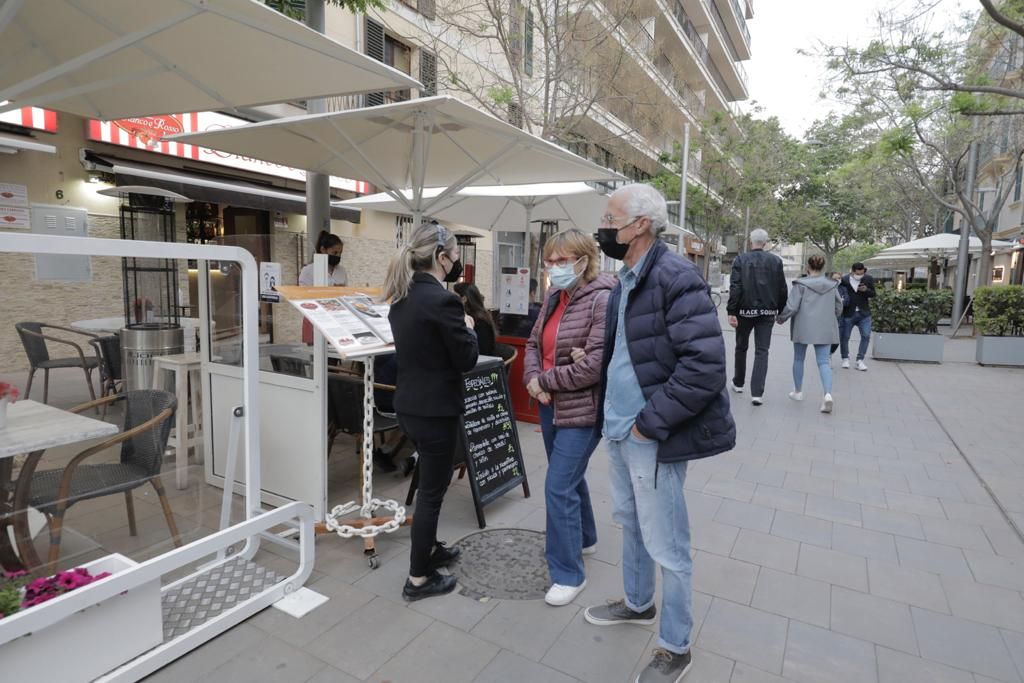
(89, 643)
(920, 348)
(1000, 351)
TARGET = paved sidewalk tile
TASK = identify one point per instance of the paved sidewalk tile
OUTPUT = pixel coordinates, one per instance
(526, 627)
(864, 542)
(963, 644)
(984, 603)
(745, 515)
(899, 523)
(598, 654)
(779, 498)
(724, 577)
(899, 667)
(833, 510)
(747, 635)
(998, 571)
(801, 528)
(912, 586)
(932, 557)
(959, 534)
(833, 567)
(792, 596)
(816, 655)
(441, 654)
(766, 550)
(744, 673)
(507, 667)
(874, 619)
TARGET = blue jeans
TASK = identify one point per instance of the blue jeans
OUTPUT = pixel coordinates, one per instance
(821, 354)
(650, 506)
(570, 516)
(862, 321)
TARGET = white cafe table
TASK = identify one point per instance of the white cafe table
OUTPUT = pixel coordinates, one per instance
(33, 427)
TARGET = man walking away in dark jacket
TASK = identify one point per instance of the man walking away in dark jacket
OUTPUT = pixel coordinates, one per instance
(859, 289)
(662, 403)
(757, 293)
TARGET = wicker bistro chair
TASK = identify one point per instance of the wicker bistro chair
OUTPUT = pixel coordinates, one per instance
(34, 338)
(108, 351)
(147, 425)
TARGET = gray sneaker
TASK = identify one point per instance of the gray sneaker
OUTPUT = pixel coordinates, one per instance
(665, 667)
(616, 612)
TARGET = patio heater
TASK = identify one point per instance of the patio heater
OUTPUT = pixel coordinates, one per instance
(152, 325)
(467, 254)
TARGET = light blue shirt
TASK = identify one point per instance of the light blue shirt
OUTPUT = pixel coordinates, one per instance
(623, 398)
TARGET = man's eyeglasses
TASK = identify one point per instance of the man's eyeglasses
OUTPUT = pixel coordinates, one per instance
(608, 220)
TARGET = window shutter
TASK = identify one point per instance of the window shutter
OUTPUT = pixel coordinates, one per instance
(515, 114)
(427, 9)
(528, 44)
(428, 73)
(374, 50)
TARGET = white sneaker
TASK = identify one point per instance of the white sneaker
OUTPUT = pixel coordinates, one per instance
(559, 595)
(861, 366)
(826, 404)
(757, 400)
(590, 549)
(736, 389)
(796, 395)
(846, 363)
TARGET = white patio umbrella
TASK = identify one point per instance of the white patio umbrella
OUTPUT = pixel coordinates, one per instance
(115, 59)
(941, 245)
(502, 206)
(407, 147)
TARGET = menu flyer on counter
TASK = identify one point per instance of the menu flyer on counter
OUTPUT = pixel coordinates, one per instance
(349, 323)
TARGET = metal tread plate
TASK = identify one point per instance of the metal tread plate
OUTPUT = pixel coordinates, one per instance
(195, 602)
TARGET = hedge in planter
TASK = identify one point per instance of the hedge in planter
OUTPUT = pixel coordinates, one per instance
(913, 311)
(906, 324)
(999, 318)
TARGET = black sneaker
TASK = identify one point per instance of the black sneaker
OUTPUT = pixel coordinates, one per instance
(383, 461)
(665, 667)
(443, 556)
(616, 612)
(436, 584)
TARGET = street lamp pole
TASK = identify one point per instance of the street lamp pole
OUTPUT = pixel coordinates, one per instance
(966, 227)
(682, 187)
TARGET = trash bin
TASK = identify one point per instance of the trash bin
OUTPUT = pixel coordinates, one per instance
(140, 344)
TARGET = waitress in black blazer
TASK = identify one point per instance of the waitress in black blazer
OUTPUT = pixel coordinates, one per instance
(434, 345)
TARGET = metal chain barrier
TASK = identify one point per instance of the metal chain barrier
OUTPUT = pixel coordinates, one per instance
(370, 504)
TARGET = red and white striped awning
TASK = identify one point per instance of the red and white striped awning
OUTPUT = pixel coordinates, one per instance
(32, 117)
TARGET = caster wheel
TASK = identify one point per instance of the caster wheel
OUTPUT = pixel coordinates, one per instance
(373, 561)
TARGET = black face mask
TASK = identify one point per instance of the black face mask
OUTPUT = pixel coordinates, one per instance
(333, 260)
(606, 239)
(455, 273)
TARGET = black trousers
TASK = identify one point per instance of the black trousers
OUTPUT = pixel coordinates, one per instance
(762, 328)
(436, 439)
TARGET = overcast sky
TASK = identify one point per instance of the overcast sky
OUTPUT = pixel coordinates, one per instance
(788, 84)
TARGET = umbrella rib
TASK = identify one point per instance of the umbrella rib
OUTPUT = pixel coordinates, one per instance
(8, 11)
(91, 87)
(354, 146)
(481, 169)
(93, 55)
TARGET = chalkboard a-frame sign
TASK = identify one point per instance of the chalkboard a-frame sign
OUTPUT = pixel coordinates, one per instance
(489, 442)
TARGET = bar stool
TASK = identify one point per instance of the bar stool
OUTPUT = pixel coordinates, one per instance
(187, 433)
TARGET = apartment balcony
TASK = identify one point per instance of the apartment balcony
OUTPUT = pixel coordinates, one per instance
(684, 24)
(649, 60)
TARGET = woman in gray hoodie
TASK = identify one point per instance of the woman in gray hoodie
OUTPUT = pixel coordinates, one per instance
(813, 304)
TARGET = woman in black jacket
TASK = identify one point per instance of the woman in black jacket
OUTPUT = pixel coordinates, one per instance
(434, 345)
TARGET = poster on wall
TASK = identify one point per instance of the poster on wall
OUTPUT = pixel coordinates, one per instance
(270, 278)
(514, 291)
(14, 212)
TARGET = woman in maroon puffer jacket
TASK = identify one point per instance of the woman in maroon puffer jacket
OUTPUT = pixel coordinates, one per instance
(573, 317)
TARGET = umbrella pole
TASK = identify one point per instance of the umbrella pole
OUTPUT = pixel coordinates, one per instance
(318, 188)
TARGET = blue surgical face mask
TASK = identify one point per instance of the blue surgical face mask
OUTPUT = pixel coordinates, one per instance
(563, 276)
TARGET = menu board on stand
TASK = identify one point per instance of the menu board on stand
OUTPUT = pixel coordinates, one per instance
(490, 440)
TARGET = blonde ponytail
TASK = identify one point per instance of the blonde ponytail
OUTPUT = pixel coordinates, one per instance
(417, 255)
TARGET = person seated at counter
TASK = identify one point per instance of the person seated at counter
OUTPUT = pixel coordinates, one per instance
(473, 303)
(330, 244)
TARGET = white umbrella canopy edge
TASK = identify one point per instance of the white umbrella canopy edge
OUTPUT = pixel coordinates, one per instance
(113, 59)
(432, 141)
(936, 244)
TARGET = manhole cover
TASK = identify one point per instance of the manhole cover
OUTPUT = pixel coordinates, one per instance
(507, 564)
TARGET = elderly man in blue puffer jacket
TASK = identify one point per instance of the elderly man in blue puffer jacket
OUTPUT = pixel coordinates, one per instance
(663, 402)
